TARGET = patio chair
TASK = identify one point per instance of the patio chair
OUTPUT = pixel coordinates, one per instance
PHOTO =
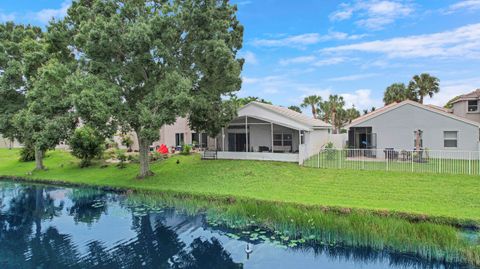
(391, 154)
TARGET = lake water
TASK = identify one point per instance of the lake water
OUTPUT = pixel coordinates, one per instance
(53, 227)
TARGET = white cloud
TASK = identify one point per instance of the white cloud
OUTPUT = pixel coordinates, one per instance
(45, 15)
(309, 90)
(373, 14)
(265, 85)
(330, 61)
(274, 88)
(353, 77)
(250, 57)
(461, 42)
(470, 5)
(452, 88)
(7, 17)
(297, 60)
(361, 99)
(302, 40)
(343, 13)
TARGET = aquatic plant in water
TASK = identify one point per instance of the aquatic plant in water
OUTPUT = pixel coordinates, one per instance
(293, 226)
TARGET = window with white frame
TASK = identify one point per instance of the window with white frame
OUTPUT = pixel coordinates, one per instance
(450, 139)
(472, 105)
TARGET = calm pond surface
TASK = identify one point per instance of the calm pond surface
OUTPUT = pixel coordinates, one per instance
(52, 227)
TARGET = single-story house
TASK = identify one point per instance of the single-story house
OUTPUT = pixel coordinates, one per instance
(259, 132)
(399, 126)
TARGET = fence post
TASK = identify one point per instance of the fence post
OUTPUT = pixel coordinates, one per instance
(470, 163)
(411, 160)
(318, 160)
(363, 160)
(386, 159)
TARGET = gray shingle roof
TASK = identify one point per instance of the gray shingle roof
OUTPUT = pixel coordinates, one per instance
(469, 96)
(299, 117)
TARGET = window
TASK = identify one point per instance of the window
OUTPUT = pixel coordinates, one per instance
(179, 139)
(450, 139)
(473, 106)
(277, 140)
(282, 139)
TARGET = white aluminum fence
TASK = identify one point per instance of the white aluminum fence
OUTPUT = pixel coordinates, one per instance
(423, 161)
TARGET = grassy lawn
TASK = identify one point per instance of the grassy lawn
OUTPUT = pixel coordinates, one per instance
(450, 196)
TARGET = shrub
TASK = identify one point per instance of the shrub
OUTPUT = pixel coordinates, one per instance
(127, 142)
(110, 144)
(133, 158)
(27, 153)
(330, 151)
(186, 149)
(110, 153)
(86, 144)
(122, 158)
(156, 156)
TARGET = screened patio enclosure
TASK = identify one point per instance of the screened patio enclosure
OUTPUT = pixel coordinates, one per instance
(267, 132)
(249, 134)
(247, 137)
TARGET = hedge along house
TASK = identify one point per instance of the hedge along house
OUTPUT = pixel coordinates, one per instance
(402, 126)
(259, 132)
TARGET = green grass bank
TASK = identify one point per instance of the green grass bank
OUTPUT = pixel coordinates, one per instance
(439, 198)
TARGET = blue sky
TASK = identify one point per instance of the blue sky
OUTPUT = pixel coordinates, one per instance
(352, 48)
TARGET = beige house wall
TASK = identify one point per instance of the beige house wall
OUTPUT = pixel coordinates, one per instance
(460, 109)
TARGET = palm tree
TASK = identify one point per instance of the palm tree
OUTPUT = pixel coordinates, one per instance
(351, 114)
(330, 109)
(312, 101)
(423, 85)
(395, 93)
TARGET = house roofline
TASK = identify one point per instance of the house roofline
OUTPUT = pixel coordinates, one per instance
(309, 126)
(409, 102)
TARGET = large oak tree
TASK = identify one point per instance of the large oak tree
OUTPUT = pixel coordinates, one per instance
(155, 60)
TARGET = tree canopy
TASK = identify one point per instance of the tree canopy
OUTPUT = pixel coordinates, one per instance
(21, 54)
(398, 92)
(154, 61)
(424, 85)
(295, 108)
(312, 101)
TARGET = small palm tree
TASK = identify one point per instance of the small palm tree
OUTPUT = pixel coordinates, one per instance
(331, 108)
(351, 114)
(395, 93)
(423, 85)
(312, 101)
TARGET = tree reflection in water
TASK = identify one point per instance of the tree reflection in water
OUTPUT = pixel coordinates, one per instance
(155, 245)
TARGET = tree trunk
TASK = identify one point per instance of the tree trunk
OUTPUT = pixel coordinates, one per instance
(333, 123)
(39, 159)
(144, 159)
(421, 99)
(314, 111)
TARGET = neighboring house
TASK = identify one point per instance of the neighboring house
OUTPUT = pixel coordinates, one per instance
(395, 127)
(260, 132)
(468, 106)
(7, 143)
